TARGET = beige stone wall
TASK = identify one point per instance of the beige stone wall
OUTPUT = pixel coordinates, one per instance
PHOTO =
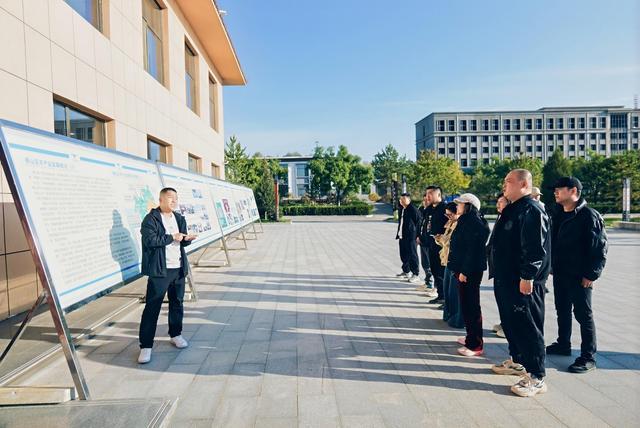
(48, 50)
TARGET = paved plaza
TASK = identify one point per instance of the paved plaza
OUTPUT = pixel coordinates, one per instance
(309, 327)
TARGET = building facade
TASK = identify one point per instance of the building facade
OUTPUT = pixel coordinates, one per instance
(298, 181)
(471, 138)
(143, 77)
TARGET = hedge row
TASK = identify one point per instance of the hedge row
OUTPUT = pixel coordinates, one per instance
(357, 209)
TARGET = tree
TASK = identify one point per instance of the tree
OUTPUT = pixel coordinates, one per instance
(340, 171)
(440, 171)
(557, 166)
(291, 154)
(387, 162)
(235, 157)
(487, 180)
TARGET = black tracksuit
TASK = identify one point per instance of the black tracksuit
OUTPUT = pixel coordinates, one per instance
(410, 221)
(579, 250)
(521, 249)
(424, 250)
(161, 280)
(433, 220)
(467, 255)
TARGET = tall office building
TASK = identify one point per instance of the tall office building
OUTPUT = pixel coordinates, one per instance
(471, 138)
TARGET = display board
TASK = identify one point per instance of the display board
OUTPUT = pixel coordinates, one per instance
(194, 203)
(84, 205)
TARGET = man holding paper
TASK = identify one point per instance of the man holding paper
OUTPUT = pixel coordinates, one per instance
(164, 261)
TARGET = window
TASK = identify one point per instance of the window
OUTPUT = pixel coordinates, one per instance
(572, 123)
(603, 135)
(441, 125)
(603, 122)
(463, 125)
(495, 138)
(474, 139)
(516, 124)
(539, 149)
(603, 147)
(452, 140)
(538, 123)
(507, 149)
(486, 160)
(191, 77)
(560, 123)
(474, 125)
(75, 124)
(424, 130)
(485, 150)
(517, 138)
(485, 138)
(550, 137)
(152, 28)
(619, 120)
(635, 135)
(517, 149)
(507, 138)
(452, 150)
(441, 151)
(474, 150)
(90, 10)
(593, 122)
(485, 125)
(441, 140)
(560, 138)
(538, 137)
(494, 149)
(463, 150)
(194, 163)
(156, 151)
(592, 136)
(572, 147)
(634, 121)
(213, 96)
(451, 125)
(572, 137)
(506, 124)
(215, 170)
(495, 124)
(528, 124)
(463, 139)
(529, 149)
(474, 162)
(463, 163)
(529, 137)
(550, 147)
(581, 122)
(581, 147)
(550, 123)
(561, 147)
(302, 170)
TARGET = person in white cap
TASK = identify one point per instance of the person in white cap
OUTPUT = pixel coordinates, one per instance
(468, 261)
(535, 195)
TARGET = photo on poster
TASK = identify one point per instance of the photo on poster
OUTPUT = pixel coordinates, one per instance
(221, 215)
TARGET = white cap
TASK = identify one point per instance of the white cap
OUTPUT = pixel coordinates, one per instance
(468, 198)
(535, 191)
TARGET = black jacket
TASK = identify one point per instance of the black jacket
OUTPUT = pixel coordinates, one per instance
(579, 243)
(467, 252)
(154, 241)
(410, 223)
(433, 221)
(521, 242)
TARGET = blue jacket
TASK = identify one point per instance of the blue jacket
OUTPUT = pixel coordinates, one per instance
(154, 242)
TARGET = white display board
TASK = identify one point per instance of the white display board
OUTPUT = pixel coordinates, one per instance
(84, 205)
(194, 203)
(226, 208)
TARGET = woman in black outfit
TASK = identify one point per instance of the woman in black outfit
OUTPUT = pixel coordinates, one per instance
(468, 261)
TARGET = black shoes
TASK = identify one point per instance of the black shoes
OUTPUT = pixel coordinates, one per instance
(437, 300)
(556, 349)
(582, 365)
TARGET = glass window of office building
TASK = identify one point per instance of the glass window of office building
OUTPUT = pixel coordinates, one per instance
(152, 33)
(73, 123)
(90, 10)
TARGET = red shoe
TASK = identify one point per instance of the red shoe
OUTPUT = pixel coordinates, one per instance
(462, 340)
(468, 352)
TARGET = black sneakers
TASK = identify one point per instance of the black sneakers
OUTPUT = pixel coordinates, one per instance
(556, 349)
(582, 365)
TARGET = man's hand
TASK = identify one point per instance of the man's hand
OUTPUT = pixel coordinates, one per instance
(462, 277)
(190, 237)
(587, 283)
(526, 286)
(178, 236)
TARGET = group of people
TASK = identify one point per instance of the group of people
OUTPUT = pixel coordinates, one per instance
(528, 242)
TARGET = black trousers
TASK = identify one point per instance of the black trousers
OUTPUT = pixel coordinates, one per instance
(500, 291)
(437, 270)
(471, 311)
(409, 255)
(424, 261)
(173, 285)
(570, 294)
(523, 324)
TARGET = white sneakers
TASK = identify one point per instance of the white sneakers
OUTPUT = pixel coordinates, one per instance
(145, 353)
(145, 356)
(179, 342)
(528, 386)
(415, 279)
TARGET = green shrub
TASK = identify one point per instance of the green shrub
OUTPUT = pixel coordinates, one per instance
(374, 197)
(351, 209)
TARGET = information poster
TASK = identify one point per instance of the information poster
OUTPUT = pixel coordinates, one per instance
(194, 203)
(224, 199)
(85, 205)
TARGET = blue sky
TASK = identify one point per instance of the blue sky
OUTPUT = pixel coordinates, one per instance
(361, 73)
